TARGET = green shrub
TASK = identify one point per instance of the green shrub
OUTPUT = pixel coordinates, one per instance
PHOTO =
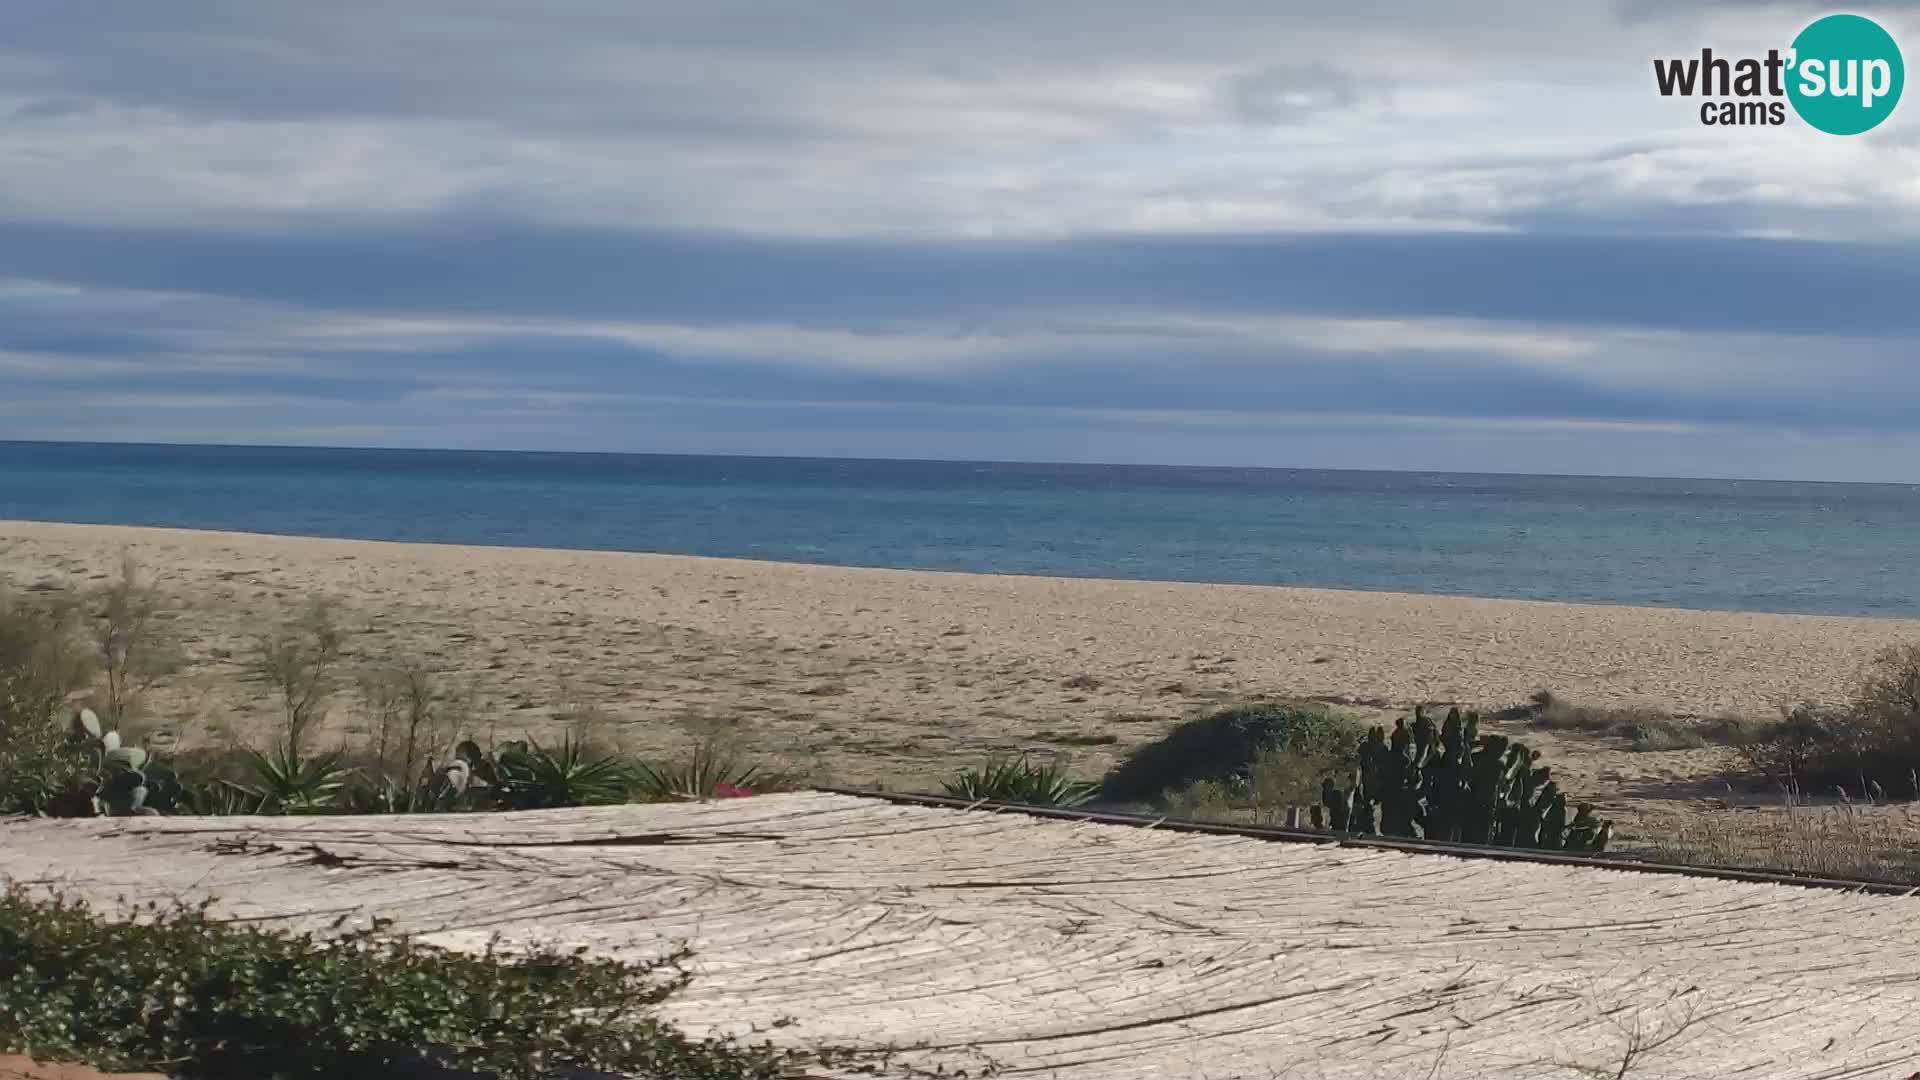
(1223, 748)
(40, 773)
(60, 762)
(1870, 746)
(710, 771)
(1275, 781)
(523, 775)
(1804, 743)
(283, 781)
(183, 993)
(1017, 780)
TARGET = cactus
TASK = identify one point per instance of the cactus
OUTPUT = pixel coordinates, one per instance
(1447, 782)
(120, 785)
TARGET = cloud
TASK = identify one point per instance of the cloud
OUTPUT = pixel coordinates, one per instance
(586, 222)
(997, 118)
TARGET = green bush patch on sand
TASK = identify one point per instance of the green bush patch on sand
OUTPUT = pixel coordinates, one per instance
(1018, 780)
(179, 992)
(1223, 747)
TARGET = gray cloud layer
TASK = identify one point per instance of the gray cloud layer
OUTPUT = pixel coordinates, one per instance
(842, 226)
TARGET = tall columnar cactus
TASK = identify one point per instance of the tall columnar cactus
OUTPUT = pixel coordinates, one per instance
(1451, 783)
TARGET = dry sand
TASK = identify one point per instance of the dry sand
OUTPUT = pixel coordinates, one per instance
(895, 676)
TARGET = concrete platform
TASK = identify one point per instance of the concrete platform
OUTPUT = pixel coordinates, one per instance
(976, 940)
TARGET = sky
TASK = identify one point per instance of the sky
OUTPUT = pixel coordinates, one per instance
(1404, 234)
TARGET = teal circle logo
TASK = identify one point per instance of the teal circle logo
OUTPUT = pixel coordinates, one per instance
(1845, 74)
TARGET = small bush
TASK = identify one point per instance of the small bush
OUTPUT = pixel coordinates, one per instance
(283, 782)
(1276, 780)
(1643, 728)
(1016, 780)
(182, 993)
(1804, 744)
(710, 771)
(297, 661)
(39, 772)
(1224, 746)
(134, 644)
(1870, 746)
(43, 645)
(1657, 737)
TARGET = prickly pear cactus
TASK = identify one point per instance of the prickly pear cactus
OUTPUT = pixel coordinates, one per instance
(1447, 782)
(120, 785)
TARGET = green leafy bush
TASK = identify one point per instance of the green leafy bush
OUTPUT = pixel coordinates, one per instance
(182, 993)
(56, 762)
(1275, 780)
(1017, 780)
(40, 774)
(1223, 747)
(44, 656)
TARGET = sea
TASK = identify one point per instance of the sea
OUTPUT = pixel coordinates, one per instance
(1740, 545)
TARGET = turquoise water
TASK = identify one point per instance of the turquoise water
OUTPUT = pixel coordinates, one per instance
(1724, 544)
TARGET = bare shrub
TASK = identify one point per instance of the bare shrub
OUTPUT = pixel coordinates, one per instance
(298, 661)
(409, 723)
(43, 644)
(1644, 728)
(135, 645)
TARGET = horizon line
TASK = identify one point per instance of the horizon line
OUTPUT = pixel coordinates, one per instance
(930, 461)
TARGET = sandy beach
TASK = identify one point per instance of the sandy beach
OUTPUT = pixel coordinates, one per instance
(863, 675)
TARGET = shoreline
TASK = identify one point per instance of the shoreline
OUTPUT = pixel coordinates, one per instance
(7, 525)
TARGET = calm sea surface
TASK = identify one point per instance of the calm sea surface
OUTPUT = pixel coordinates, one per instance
(1742, 545)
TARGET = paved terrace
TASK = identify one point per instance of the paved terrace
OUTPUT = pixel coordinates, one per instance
(1080, 950)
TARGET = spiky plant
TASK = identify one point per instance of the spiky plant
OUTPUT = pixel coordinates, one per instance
(710, 771)
(531, 777)
(283, 781)
(1017, 780)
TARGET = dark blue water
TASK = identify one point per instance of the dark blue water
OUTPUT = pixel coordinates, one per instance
(1727, 544)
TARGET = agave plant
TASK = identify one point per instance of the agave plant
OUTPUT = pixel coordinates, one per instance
(285, 782)
(709, 772)
(384, 794)
(1016, 780)
(523, 775)
(218, 798)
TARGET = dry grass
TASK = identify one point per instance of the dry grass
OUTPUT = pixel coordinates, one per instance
(1847, 840)
(1643, 728)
